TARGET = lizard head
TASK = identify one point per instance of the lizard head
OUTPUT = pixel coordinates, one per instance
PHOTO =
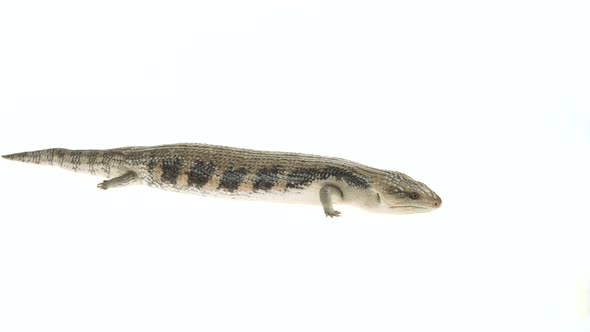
(400, 193)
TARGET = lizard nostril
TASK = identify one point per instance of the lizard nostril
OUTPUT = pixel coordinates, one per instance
(436, 204)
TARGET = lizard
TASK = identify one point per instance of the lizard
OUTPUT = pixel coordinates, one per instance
(245, 173)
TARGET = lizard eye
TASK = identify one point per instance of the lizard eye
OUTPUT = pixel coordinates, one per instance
(414, 195)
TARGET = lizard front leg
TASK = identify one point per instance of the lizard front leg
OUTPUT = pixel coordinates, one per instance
(326, 193)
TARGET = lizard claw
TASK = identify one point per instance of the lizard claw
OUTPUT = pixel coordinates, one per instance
(332, 213)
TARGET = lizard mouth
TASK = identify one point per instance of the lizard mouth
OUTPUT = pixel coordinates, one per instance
(409, 209)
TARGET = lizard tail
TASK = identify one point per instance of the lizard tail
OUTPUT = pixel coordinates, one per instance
(95, 162)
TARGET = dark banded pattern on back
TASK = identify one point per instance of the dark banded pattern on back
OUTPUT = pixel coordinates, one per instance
(171, 168)
(299, 178)
(266, 178)
(60, 154)
(75, 159)
(151, 164)
(200, 173)
(232, 178)
(303, 177)
(92, 158)
(351, 178)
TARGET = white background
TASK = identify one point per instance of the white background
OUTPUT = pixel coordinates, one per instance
(486, 102)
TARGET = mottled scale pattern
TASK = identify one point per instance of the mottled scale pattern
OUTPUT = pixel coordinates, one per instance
(188, 169)
(267, 177)
(233, 171)
(200, 173)
(96, 162)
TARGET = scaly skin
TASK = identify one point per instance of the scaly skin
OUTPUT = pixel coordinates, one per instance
(252, 174)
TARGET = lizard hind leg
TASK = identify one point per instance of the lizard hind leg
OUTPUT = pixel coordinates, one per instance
(119, 181)
(326, 193)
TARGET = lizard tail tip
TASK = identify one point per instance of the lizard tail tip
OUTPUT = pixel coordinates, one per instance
(9, 156)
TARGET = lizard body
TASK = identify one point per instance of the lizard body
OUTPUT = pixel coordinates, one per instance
(252, 174)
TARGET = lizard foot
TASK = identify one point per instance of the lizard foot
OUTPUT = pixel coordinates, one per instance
(332, 213)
